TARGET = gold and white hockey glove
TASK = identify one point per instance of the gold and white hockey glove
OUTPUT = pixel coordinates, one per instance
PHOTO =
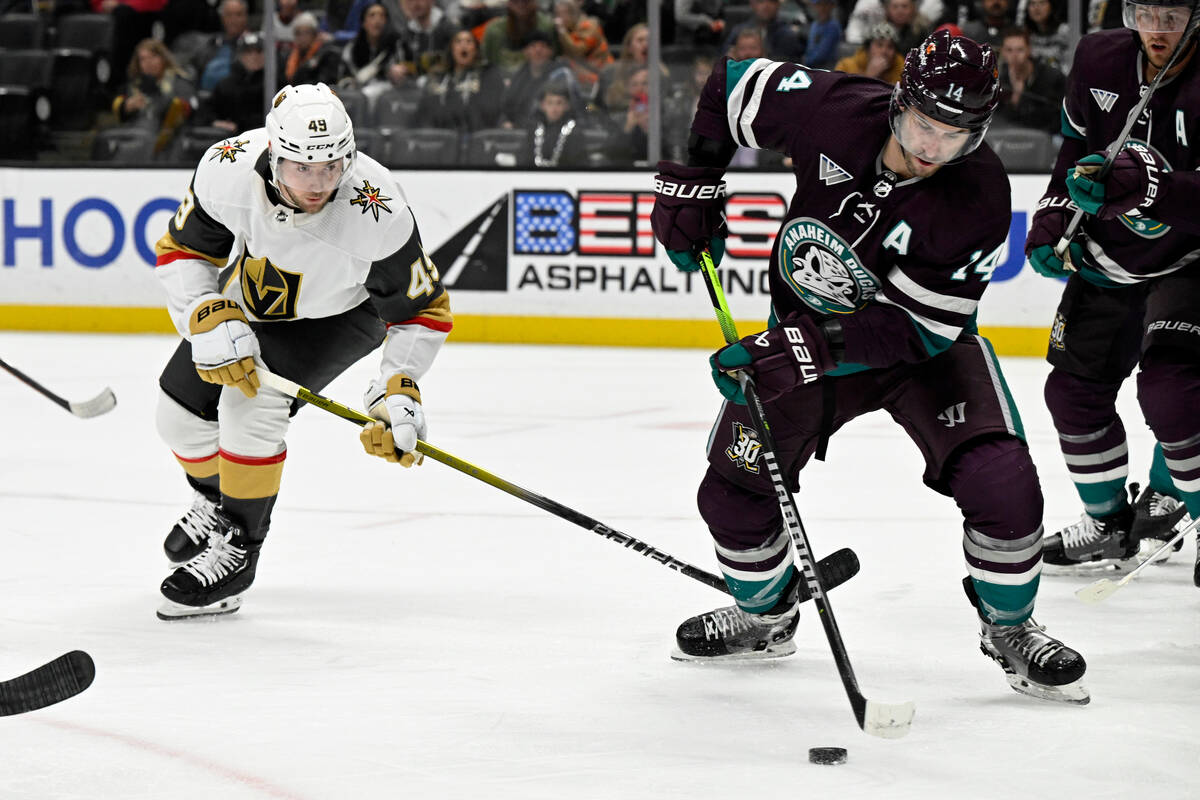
(401, 422)
(223, 346)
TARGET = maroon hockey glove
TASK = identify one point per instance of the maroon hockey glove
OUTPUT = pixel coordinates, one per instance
(1049, 223)
(791, 354)
(1133, 182)
(689, 212)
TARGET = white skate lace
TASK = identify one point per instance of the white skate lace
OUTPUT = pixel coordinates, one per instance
(218, 560)
(1031, 643)
(1081, 533)
(732, 620)
(200, 522)
(1162, 505)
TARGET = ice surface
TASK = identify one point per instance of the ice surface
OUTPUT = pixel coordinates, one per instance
(417, 633)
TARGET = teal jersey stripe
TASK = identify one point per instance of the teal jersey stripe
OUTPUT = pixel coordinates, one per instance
(734, 72)
(1007, 398)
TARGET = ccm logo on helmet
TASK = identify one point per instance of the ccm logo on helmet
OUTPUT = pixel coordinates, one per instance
(689, 191)
(326, 146)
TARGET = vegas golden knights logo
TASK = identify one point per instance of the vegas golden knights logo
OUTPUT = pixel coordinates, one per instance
(269, 292)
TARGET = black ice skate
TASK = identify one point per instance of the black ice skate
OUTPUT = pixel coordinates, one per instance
(1034, 662)
(731, 634)
(1092, 542)
(1155, 519)
(212, 582)
(190, 534)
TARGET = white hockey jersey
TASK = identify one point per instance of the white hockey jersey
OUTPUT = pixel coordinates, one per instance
(232, 234)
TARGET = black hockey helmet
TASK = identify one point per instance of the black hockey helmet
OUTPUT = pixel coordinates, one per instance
(951, 79)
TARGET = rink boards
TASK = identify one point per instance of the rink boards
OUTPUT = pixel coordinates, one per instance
(533, 257)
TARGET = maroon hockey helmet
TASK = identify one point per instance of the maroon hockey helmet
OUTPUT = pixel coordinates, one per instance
(953, 80)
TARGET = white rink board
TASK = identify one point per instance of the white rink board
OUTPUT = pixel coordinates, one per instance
(86, 238)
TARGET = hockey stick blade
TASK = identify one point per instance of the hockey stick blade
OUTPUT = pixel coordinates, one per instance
(100, 404)
(53, 682)
(1101, 589)
(888, 720)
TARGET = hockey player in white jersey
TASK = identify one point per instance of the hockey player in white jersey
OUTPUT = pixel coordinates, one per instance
(293, 250)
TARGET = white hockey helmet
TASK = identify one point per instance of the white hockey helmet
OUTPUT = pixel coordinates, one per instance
(308, 124)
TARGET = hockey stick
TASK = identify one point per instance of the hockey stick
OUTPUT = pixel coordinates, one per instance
(1101, 589)
(836, 568)
(100, 404)
(886, 720)
(1115, 148)
(53, 682)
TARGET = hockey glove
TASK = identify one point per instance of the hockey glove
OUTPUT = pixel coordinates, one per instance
(793, 353)
(223, 346)
(1049, 224)
(401, 421)
(1132, 183)
(689, 213)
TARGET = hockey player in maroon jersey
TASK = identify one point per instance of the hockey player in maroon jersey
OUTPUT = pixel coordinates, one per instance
(898, 220)
(1135, 297)
(293, 249)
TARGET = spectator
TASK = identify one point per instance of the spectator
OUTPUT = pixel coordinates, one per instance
(1049, 36)
(353, 18)
(425, 33)
(783, 40)
(335, 22)
(371, 60)
(158, 98)
(554, 139)
(504, 37)
(631, 138)
(612, 94)
(699, 22)
(1031, 91)
(581, 41)
(521, 98)
(216, 59)
(824, 36)
(237, 102)
(468, 96)
(997, 15)
(747, 45)
(311, 59)
(911, 26)
(877, 57)
(132, 21)
(286, 12)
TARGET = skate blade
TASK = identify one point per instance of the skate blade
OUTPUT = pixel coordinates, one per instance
(1072, 693)
(170, 610)
(780, 650)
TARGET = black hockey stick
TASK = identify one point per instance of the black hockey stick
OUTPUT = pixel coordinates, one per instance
(886, 720)
(65, 676)
(1115, 148)
(100, 404)
(835, 569)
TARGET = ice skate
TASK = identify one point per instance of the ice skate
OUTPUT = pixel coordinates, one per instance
(1034, 662)
(190, 534)
(1156, 517)
(1092, 543)
(731, 634)
(212, 583)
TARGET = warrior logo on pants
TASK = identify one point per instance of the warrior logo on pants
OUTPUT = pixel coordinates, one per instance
(745, 448)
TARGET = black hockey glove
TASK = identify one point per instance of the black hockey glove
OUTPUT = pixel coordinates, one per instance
(689, 212)
(793, 353)
(1049, 224)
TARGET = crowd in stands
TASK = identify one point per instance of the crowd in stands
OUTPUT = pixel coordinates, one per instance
(541, 83)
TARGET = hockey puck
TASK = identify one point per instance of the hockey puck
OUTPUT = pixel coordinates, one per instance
(827, 755)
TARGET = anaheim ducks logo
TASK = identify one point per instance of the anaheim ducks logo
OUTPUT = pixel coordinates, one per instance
(1144, 226)
(269, 292)
(370, 199)
(228, 150)
(822, 269)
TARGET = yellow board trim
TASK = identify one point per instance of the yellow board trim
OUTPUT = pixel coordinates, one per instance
(609, 332)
